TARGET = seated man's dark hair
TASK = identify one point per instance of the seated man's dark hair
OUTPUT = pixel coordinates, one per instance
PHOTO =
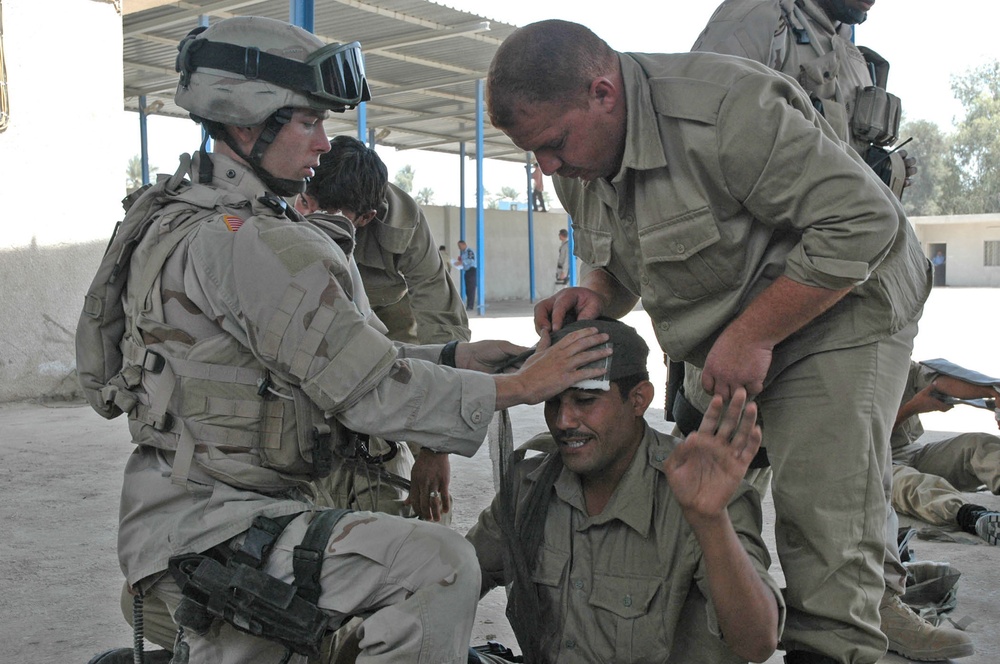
(350, 177)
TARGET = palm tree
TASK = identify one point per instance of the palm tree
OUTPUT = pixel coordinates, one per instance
(133, 174)
(425, 196)
(404, 178)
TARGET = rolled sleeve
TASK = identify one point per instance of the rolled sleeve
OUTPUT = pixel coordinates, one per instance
(786, 166)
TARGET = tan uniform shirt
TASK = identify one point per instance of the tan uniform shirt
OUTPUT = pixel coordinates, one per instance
(729, 180)
(829, 66)
(283, 288)
(629, 584)
(406, 280)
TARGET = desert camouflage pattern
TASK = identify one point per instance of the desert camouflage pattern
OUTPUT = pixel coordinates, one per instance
(267, 361)
(830, 67)
(229, 98)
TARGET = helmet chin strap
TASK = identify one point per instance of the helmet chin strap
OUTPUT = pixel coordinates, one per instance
(273, 124)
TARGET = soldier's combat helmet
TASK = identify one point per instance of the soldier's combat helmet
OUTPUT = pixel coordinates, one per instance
(251, 70)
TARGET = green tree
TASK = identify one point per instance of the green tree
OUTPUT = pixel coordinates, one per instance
(976, 144)
(509, 194)
(133, 174)
(936, 187)
(404, 178)
(425, 196)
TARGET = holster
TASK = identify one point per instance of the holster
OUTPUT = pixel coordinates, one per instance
(249, 600)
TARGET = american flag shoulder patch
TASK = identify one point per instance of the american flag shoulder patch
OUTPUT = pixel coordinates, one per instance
(233, 223)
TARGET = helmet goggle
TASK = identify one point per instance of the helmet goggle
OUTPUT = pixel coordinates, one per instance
(340, 74)
(334, 73)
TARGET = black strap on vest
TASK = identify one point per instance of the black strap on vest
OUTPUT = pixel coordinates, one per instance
(307, 558)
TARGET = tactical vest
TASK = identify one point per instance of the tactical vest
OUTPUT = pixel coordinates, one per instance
(211, 403)
(839, 78)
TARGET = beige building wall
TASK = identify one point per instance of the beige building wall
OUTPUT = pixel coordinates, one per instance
(964, 238)
(61, 176)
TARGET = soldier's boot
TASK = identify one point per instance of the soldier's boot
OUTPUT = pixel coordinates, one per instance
(125, 656)
(981, 521)
(914, 638)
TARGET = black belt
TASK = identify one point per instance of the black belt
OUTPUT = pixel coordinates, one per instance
(688, 419)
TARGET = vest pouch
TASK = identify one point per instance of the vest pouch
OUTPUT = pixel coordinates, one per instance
(819, 76)
(876, 116)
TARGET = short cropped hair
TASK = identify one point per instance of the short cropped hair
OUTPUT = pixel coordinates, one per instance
(544, 62)
(351, 176)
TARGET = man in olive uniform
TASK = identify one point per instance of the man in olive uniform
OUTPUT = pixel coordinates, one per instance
(409, 289)
(812, 41)
(640, 547)
(248, 367)
(764, 252)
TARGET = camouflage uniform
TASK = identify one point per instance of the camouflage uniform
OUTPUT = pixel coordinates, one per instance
(824, 59)
(254, 292)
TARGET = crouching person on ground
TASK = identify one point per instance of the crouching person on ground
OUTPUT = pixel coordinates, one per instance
(625, 544)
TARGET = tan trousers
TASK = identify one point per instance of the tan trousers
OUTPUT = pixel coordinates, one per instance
(927, 479)
(416, 583)
(827, 420)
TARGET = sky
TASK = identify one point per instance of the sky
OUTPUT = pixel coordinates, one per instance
(925, 41)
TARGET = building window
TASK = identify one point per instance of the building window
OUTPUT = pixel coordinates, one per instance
(991, 253)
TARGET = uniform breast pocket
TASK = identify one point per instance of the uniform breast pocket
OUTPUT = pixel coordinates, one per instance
(625, 602)
(591, 245)
(690, 257)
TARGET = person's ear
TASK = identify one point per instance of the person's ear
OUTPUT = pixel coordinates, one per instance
(640, 397)
(604, 93)
(245, 136)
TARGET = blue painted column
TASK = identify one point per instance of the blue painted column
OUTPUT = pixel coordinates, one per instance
(531, 229)
(362, 121)
(569, 249)
(480, 216)
(461, 209)
(143, 140)
(302, 13)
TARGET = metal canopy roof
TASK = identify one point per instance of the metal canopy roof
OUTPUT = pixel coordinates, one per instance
(422, 61)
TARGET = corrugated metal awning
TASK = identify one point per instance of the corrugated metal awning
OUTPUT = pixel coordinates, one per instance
(422, 60)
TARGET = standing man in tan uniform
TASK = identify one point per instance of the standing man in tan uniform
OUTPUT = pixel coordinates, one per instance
(764, 252)
(248, 367)
(562, 263)
(640, 547)
(812, 41)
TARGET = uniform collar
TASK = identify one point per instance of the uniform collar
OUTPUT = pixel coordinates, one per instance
(633, 500)
(643, 145)
(816, 13)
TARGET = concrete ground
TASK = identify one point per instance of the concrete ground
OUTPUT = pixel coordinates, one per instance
(60, 474)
